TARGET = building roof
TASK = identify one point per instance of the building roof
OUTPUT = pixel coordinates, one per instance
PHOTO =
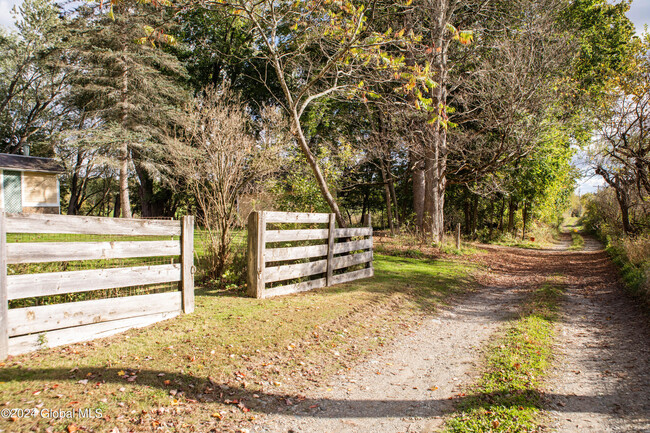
(29, 163)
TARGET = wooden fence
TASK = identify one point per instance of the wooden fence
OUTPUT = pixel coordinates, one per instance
(31, 328)
(332, 253)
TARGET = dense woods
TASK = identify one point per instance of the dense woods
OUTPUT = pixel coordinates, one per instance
(425, 113)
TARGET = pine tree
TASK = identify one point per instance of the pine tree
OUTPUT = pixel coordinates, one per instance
(33, 77)
(124, 78)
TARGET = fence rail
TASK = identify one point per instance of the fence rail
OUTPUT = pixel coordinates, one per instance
(336, 251)
(30, 328)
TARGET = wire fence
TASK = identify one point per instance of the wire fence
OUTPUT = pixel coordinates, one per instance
(81, 265)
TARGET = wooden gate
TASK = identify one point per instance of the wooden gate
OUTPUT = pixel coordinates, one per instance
(33, 327)
(325, 256)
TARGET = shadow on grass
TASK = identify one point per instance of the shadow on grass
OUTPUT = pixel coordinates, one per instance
(194, 390)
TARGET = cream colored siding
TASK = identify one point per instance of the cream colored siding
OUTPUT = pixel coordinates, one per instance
(40, 189)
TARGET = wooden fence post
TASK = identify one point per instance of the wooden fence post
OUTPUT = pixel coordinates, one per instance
(256, 245)
(187, 263)
(367, 221)
(330, 248)
(458, 236)
(4, 303)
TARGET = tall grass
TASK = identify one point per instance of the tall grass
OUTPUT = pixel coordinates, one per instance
(632, 256)
(630, 251)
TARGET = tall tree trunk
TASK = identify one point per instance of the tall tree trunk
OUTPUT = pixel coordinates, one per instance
(512, 208)
(116, 206)
(474, 214)
(391, 186)
(467, 211)
(501, 210)
(75, 188)
(435, 167)
(389, 211)
(623, 203)
(125, 203)
(318, 174)
(524, 217)
(622, 187)
(145, 191)
(441, 13)
(491, 219)
(417, 174)
(442, 183)
(429, 192)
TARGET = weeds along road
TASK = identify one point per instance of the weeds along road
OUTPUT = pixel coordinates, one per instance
(599, 381)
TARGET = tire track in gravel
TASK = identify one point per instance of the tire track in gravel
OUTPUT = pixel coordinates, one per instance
(600, 381)
(406, 387)
(601, 378)
(413, 382)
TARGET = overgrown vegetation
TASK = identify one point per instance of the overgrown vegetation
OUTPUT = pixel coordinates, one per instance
(631, 251)
(620, 213)
(218, 160)
(540, 235)
(507, 396)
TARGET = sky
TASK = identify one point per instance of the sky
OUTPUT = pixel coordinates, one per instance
(6, 19)
(639, 14)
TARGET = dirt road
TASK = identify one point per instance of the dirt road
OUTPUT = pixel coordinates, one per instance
(600, 381)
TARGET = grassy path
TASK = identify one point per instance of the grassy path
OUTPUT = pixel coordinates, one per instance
(499, 369)
(600, 378)
(424, 377)
(507, 397)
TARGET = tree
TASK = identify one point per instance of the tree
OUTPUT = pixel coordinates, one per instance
(87, 184)
(603, 34)
(435, 19)
(218, 159)
(33, 77)
(621, 155)
(315, 50)
(134, 87)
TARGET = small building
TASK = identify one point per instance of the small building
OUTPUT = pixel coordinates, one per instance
(29, 184)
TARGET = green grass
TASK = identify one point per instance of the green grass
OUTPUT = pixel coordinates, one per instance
(532, 243)
(522, 243)
(538, 236)
(506, 398)
(572, 224)
(464, 250)
(635, 276)
(267, 347)
(577, 242)
(238, 243)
